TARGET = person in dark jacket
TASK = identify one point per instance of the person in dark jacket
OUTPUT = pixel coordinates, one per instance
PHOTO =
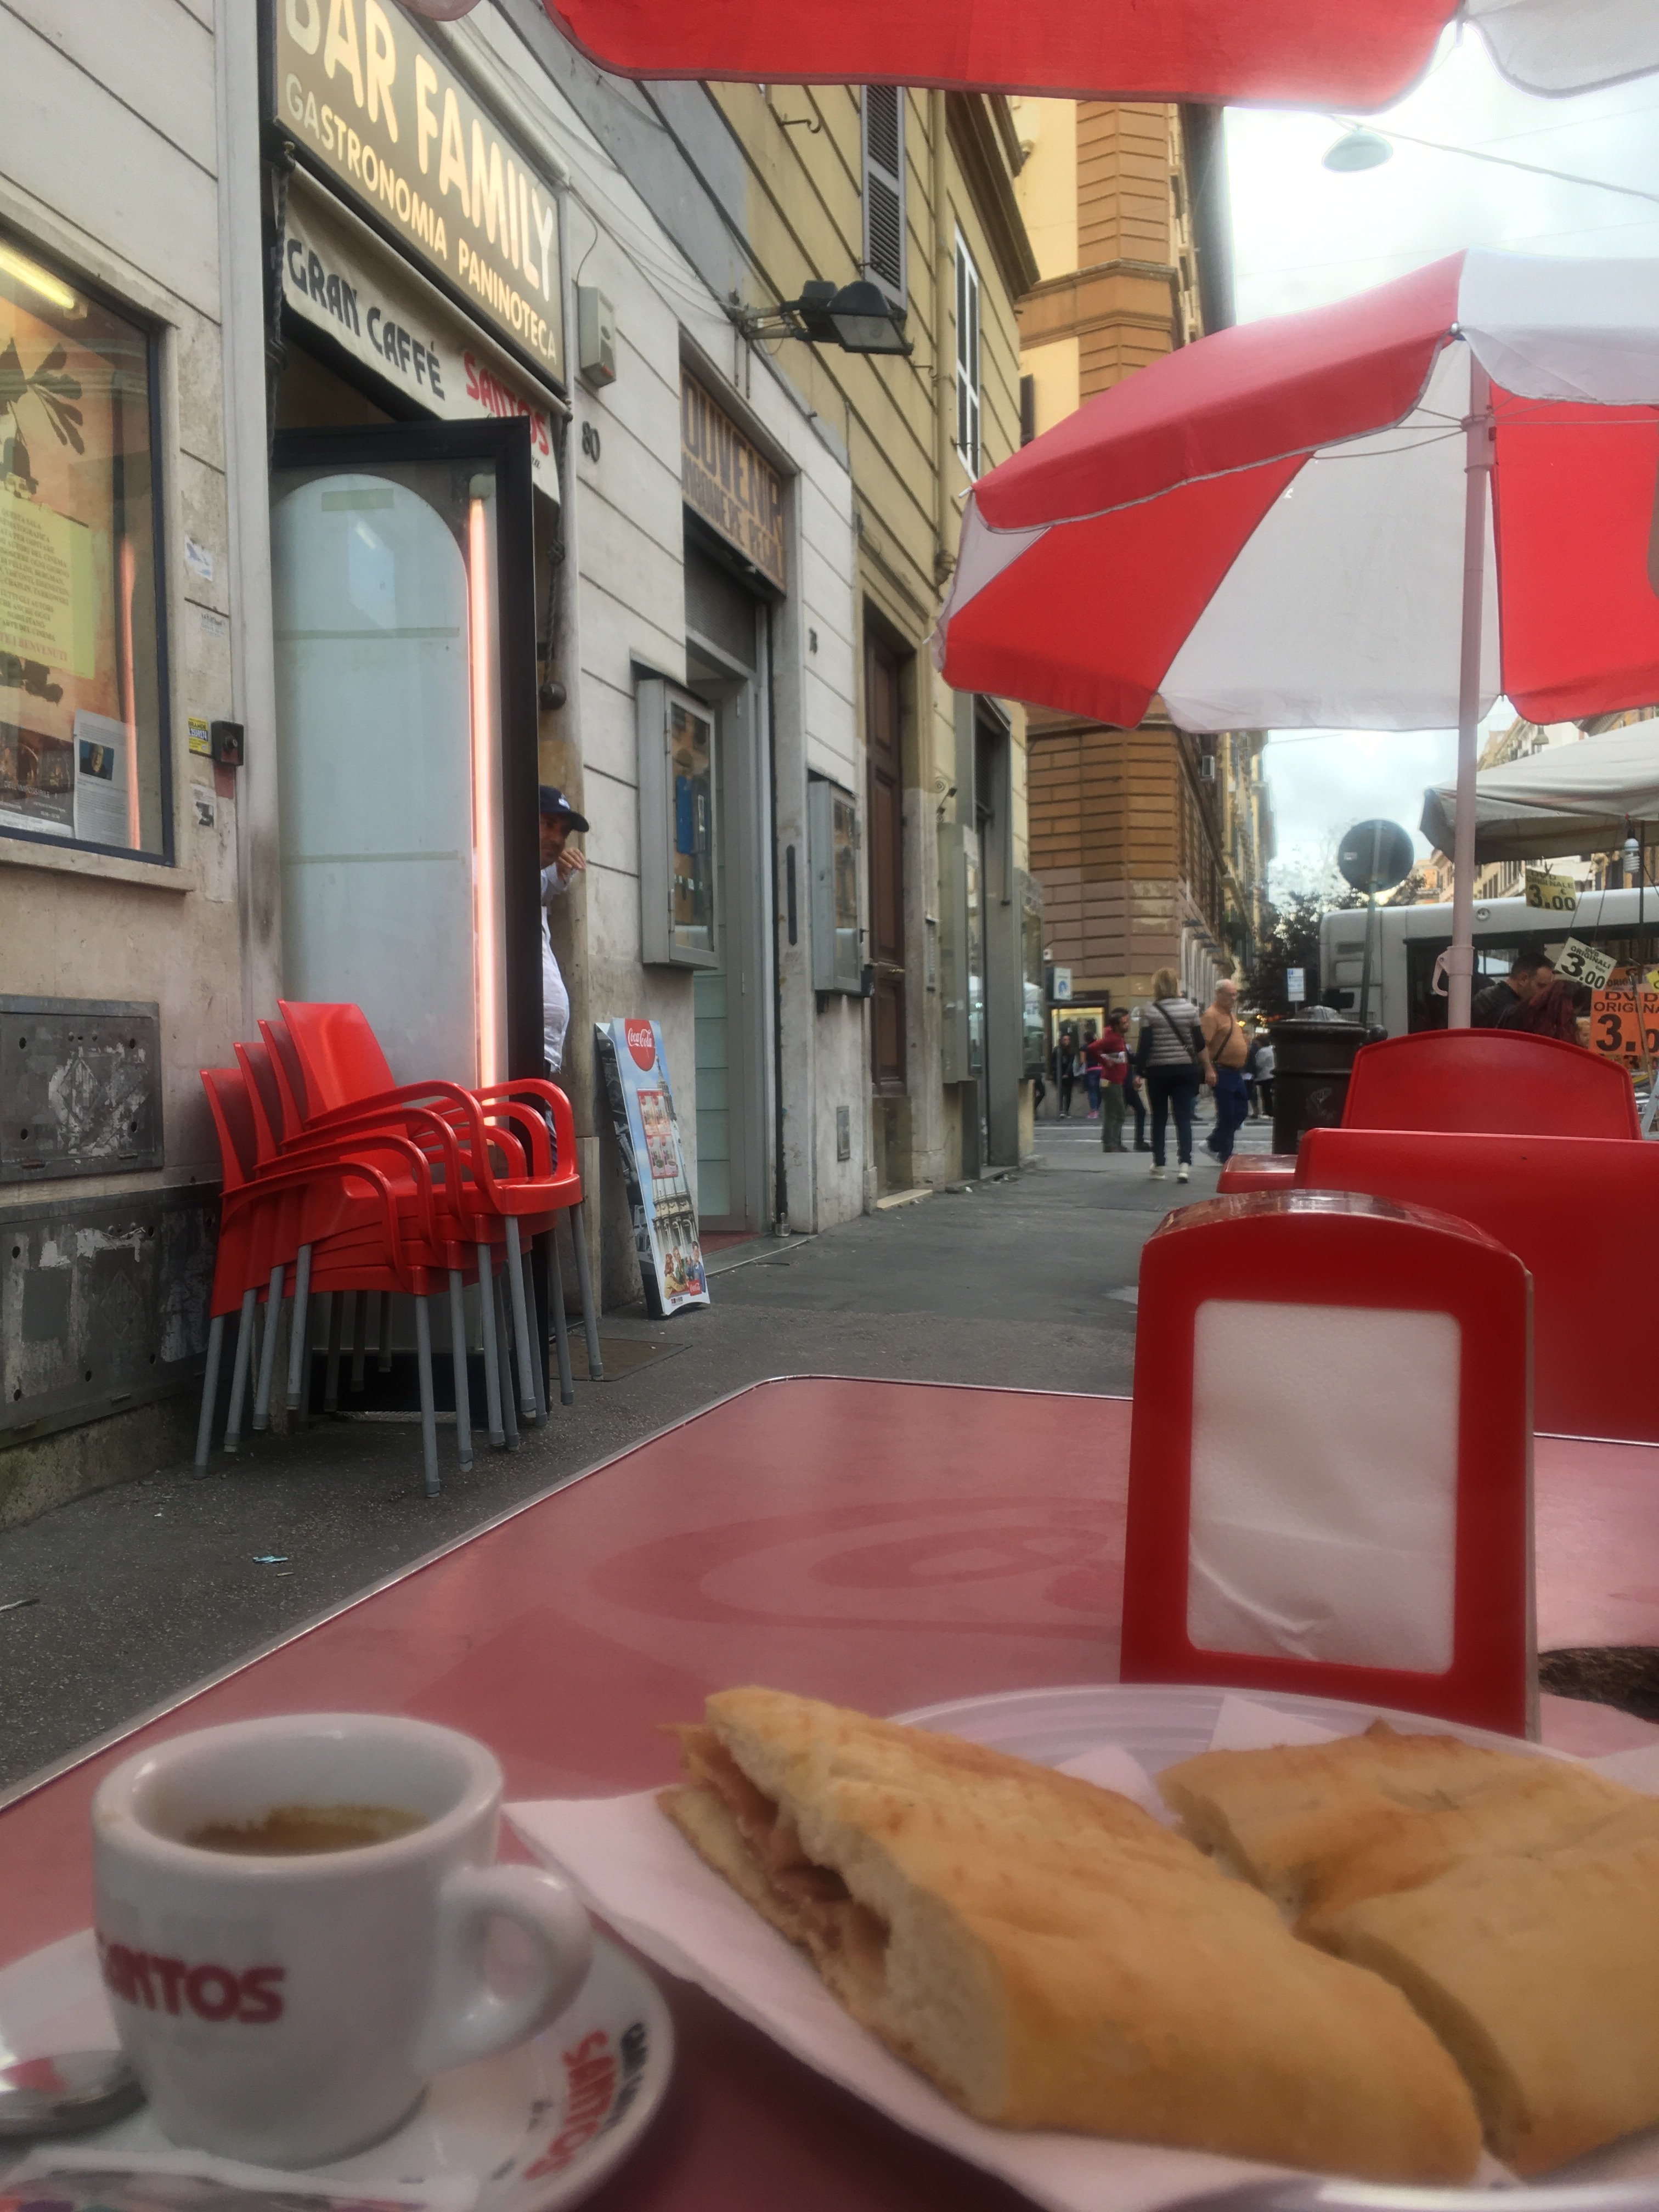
(1508, 993)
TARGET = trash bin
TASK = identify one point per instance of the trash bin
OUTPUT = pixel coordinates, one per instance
(1313, 1059)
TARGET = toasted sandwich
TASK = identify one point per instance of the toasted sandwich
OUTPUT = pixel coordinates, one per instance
(1051, 1957)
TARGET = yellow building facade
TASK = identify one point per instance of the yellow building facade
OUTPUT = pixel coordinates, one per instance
(1151, 846)
(916, 190)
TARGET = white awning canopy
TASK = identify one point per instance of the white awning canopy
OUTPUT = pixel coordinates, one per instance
(1567, 798)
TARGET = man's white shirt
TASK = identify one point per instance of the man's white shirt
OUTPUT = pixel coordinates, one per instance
(556, 1000)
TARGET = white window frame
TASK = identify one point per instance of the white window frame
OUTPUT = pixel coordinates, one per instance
(968, 438)
(875, 172)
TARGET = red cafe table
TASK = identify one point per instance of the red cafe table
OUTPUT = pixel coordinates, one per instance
(885, 1545)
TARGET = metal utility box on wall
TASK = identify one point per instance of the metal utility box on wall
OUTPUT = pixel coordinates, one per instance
(676, 827)
(103, 1305)
(80, 1088)
(596, 338)
(832, 846)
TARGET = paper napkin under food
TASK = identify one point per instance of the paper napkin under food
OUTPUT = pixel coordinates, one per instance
(637, 1871)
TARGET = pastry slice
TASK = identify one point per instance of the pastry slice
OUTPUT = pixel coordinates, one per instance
(1318, 1826)
(1541, 1976)
(1051, 1957)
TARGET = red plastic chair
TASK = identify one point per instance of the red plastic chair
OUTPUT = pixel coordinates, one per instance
(343, 1074)
(1488, 1083)
(1567, 1208)
(1498, 1083)
(467, 1254)
(342, 1212)
(454, 1131)
(1318, 1361)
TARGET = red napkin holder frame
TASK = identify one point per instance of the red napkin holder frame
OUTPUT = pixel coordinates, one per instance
(1342, 1249)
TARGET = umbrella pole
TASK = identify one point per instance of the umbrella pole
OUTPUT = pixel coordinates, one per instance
(1460, 966)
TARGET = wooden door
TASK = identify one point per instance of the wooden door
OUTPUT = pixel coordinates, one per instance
(885, 816)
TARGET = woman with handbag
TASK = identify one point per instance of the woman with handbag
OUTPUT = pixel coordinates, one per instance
(1173, 1059)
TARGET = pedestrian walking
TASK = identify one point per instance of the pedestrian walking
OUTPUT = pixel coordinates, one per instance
(1228, 1049)
(1064, 1063)
(1175, 1062)
(1113, 1072)
(1094, 1069)
(1262, 1074)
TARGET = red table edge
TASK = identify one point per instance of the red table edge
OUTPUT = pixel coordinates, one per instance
(97, 1746)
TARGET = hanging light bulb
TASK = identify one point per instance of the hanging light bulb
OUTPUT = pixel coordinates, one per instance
(1358, 149)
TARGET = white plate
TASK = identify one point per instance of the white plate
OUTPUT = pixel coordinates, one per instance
(492, 2123)
(1158, 1722)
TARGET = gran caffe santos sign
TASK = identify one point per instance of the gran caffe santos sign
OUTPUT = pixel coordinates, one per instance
(374, 106)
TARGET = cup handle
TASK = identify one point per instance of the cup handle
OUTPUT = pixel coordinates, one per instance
(466, 2018)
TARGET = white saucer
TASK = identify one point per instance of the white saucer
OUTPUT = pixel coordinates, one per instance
(493, 2123)
(1158, 1722)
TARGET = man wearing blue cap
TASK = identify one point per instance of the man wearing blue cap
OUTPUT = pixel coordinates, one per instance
(561, 864)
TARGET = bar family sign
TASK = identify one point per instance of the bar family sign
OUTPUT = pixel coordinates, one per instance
(654, 1165)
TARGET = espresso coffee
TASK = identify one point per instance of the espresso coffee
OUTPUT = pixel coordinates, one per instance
(292, 1831)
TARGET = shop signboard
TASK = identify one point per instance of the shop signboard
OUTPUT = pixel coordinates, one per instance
(375, 309)
(1555, 894)
(374, 106)
(1625, 1025)
(654, 1164)
(725, 480)
(1579, 962)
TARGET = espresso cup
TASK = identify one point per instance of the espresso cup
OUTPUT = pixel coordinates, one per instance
(288, 2007)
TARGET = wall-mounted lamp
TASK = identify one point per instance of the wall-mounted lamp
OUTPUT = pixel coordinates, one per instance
(858, 317)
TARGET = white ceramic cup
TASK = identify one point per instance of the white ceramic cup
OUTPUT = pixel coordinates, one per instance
(288, 2010)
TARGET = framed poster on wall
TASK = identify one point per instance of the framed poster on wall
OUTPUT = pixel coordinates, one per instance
(654, 1165)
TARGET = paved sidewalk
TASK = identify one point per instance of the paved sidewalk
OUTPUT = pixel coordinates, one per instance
(143, 1589)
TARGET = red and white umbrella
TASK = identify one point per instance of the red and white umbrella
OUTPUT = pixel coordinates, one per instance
(1335, 53)
(1286, 526)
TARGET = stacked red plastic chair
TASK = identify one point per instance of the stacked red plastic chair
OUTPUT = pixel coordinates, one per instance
(340, 1182)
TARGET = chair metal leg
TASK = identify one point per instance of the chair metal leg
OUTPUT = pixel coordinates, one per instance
(514, 1272)
(584, 1289)
(298, 1348)
(268, 1348)
(458, 1354)
(428, 1415)
(538, 1350)
(239, 1373)
(359, 1335)
(509, 1411)
(383, 1359)
(492, 1370)
(331, 1371)
(209, 1388)
(561, 1327)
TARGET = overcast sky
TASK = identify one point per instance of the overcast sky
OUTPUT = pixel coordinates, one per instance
(1303, 235)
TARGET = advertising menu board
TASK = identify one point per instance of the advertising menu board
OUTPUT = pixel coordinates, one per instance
(654, 1164)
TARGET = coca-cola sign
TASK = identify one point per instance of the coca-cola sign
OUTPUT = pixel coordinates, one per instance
(641, 1045)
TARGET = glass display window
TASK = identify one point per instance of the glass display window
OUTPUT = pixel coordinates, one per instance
(678, 854)
(82, 724)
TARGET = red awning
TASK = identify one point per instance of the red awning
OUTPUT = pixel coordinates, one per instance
(1341, 53)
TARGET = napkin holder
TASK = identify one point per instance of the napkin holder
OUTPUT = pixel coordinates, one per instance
(1330, 1471)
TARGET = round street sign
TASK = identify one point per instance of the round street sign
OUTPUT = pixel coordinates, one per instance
(1375, 856)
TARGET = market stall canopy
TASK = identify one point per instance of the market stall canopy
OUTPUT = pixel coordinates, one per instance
(1567, 798)
(1267, 528)
(1281, 53)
